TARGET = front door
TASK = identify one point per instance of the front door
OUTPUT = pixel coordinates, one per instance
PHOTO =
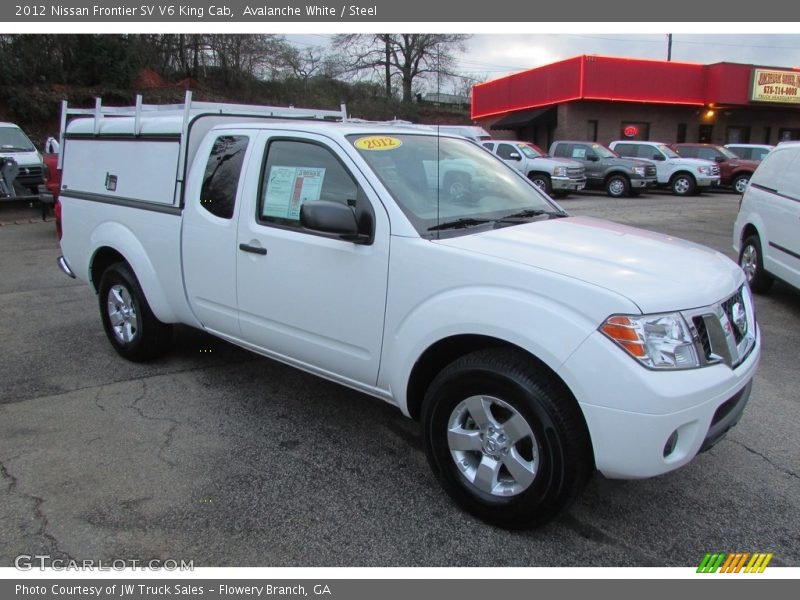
(312, 298)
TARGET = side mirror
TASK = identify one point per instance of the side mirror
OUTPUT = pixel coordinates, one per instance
(719, 158)
(514, 156)
(659, 156)
(332, 217)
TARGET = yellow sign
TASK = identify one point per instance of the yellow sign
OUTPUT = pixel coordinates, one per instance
(378, 142)
(775, 86)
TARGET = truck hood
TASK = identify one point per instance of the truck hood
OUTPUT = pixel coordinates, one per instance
(24, 159)
(657, 272)
(624, 162)
(556, 162)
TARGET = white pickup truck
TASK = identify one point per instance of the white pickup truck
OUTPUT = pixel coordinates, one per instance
(558, 176)
(533, 347)
(683, 176)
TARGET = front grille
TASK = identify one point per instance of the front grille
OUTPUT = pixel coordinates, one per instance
(650, 171)
(30, 175)
(702, 334)
(715, 170)
(576, 172)
(724, 332)
(728, 306)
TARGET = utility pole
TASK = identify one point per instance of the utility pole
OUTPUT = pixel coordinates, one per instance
(669, 47)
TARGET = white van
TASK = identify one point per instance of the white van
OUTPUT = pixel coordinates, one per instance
(767, 230)
(16, 145)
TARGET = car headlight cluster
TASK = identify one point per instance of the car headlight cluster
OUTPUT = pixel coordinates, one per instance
(660, 341)
(560, 172)
(640, 171)
(704, 170)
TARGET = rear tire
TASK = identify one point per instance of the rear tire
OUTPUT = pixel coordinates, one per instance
(752, 262)
(129, 323)
(505, 439)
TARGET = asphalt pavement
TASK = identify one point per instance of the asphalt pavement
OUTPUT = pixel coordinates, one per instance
(216, 455)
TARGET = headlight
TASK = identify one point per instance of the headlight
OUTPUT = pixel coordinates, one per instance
(560, 172)
(639, 171)
(656, 341)
(704, 170)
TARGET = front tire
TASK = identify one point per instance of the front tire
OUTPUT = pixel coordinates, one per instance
(542, 181)
(739, 184)
(129, 323)
(505, 439)
(618, 186)
(752, 262)
(683, 184)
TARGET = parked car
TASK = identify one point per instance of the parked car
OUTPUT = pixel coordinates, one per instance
(558, 176)
(767, 230)
(532, 346)
(605, 169)
(733, 171)
(684, 176)
(16, 145)
(750, 151)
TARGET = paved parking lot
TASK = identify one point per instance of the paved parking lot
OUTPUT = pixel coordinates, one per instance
(216, 455)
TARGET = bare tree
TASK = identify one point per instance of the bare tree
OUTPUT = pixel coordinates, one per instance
(407, 56)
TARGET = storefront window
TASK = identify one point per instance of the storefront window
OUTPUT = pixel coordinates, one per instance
(738, 135)
(786, 134)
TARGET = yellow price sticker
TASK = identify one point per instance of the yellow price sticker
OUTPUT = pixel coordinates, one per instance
(378, 142)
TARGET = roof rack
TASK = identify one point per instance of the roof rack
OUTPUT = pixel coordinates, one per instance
(188, 110)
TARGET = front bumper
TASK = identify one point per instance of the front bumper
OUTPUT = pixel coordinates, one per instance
(711, 181)
(640, 183)
(631, 412)
(566, 183)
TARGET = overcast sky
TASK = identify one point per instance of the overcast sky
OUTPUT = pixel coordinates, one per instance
(489, 56)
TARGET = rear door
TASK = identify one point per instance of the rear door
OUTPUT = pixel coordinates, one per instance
(208, 243)
(307, 297)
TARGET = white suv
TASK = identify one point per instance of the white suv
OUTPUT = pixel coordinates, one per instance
(767, 230)
(684, 176)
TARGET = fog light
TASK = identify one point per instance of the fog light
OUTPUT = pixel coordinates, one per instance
(672, 441)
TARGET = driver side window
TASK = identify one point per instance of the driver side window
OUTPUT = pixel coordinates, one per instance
(299, 171)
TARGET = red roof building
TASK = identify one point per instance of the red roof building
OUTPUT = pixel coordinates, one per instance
(599, 98)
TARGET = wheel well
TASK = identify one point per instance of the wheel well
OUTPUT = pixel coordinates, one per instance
(532, 173)
(103, 258)
(617, 173)
(749, 230)
(444, 352)
(678, 173)
(738, 174)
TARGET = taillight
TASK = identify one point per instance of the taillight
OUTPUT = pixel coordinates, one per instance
(57, 212)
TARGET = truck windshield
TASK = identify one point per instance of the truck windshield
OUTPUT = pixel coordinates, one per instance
(668, 152)
(529, 151)
(13, 140)
(449, 186)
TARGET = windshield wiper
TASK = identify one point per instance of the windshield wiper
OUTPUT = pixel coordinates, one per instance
(459, 223)
(529, 213)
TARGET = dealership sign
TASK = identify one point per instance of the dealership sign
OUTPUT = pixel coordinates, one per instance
(775, 86)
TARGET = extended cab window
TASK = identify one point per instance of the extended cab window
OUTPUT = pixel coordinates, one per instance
(221, 179)
(299, 171)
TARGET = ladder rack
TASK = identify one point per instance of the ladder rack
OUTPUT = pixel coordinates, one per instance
(188, 110)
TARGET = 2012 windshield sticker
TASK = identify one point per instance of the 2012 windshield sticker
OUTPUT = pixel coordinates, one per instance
(378, 142)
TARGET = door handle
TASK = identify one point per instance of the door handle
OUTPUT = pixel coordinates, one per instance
(253, 249)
